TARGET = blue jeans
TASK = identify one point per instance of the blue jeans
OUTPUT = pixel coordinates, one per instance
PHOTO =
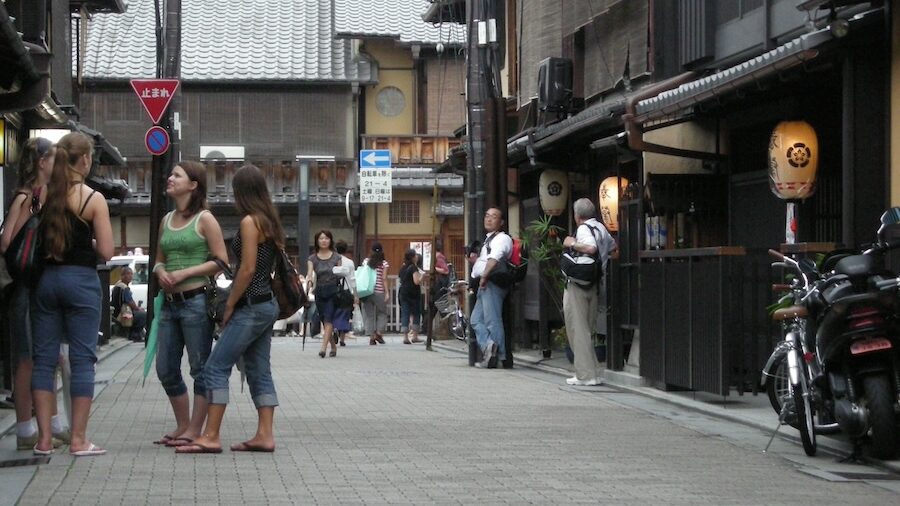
(409, 306)
(66, 306)
(487, 318)
(248, 335)
(183, 325)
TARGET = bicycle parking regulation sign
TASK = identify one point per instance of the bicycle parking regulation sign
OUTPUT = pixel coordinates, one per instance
(157, 140)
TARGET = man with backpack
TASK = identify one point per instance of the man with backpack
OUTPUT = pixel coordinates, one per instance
(487, 315)
(584, 264)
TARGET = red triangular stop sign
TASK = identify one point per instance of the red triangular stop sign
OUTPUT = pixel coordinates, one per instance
(155, 95)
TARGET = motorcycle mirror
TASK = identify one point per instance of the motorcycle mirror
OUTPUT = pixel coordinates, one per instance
(891, 216)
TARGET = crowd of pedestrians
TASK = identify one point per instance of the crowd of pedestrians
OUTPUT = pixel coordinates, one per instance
(54, 319)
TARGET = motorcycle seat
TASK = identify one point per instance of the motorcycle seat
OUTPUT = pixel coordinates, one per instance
(855, 266)
(787, 313)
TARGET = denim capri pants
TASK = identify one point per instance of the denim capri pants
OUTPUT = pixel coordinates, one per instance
(66, 306)
(249, 335)
(183, 325)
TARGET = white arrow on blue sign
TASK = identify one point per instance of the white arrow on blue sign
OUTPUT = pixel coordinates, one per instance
(375, 159)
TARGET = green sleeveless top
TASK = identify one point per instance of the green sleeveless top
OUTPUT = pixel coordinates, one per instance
(184, 247)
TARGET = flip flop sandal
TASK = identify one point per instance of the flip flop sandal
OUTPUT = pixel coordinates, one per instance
(92, 451)
(164, 440)
(42, 452)
(197, 448)
(179, 441)
(247, 447)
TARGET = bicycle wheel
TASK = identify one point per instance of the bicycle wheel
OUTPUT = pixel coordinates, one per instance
(805, 414)
(778, 388)
(459, 326)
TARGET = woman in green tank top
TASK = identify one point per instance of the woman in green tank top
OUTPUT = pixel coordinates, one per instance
(187, 237)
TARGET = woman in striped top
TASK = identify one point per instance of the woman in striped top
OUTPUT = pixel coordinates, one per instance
(375, 305)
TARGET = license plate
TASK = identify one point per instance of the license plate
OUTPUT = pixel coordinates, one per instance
(869, 345)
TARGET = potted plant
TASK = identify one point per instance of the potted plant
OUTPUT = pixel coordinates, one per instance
(542, 238)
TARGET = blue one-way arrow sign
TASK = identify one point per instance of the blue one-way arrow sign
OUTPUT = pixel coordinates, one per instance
(375, 159)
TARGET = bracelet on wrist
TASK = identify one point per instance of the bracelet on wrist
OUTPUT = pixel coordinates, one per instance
(158, 266)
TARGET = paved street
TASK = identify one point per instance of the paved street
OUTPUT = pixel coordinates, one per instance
(398, 425)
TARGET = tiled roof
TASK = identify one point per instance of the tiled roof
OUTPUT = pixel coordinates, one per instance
(227, 40)
(423, 178)
(451, 207)
(397, 19)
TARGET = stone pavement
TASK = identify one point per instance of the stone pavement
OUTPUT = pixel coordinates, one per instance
(394, 424)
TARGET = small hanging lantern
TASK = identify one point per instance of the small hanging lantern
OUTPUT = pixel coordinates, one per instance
(609, 194)
(554, 191)
(793, 160)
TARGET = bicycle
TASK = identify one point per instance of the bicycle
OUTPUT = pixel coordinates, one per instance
(449, 308)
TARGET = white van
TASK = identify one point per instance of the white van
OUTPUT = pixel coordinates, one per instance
(140, 265)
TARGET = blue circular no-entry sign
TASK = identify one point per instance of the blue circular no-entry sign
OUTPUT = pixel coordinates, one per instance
(157, 140)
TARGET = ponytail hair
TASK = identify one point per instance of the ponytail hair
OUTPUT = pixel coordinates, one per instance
(55, 227)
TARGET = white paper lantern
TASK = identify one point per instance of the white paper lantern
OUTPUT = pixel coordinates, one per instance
(554, 191)
(609, 195)
(793, 160)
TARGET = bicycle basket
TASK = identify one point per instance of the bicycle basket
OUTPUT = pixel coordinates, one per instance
(445, 304)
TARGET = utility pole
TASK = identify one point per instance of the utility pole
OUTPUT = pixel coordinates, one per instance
(168, 65)
(486, 177)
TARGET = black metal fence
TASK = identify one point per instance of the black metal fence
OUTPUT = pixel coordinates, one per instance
(703, 319)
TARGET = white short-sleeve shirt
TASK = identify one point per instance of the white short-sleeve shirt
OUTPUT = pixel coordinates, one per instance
(605, 243)
(501, 247)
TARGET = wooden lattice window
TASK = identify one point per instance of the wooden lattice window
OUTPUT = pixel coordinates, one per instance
(404, 211)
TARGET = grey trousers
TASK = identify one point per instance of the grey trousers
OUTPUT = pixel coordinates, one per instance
(580, 311)
(375, 313)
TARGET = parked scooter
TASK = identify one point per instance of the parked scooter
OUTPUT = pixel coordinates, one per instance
(848, 376)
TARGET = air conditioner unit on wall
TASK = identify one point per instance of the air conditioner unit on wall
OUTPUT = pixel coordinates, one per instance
(209, 153)
(555, 85)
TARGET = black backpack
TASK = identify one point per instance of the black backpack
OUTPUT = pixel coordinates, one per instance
(512, 269)
(582, 269)
(115, 299)
(286, 286)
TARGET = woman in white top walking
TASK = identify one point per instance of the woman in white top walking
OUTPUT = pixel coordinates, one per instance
(347, 270)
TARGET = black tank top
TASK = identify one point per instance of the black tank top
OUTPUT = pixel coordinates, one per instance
(80, 250)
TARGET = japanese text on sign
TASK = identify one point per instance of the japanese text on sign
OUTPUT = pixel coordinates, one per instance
(154, 93)
(375, 186)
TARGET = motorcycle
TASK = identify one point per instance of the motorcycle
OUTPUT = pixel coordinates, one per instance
(842, 350)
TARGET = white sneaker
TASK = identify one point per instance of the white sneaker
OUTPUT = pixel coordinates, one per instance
(489, 351)
(593, 382)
